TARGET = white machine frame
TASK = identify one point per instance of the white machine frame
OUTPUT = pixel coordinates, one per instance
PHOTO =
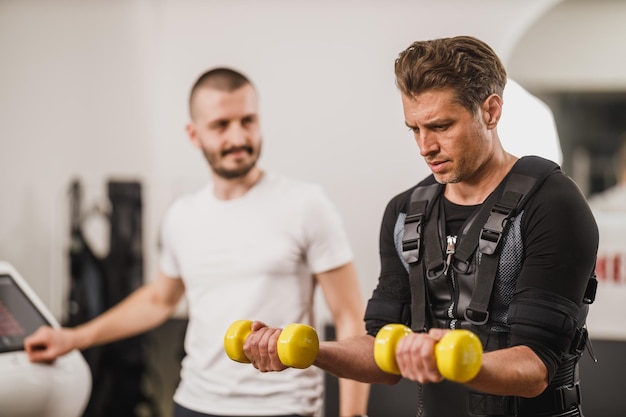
(28, 389)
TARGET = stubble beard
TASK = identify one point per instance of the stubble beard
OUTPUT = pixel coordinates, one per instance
(450, 178)
(231, 174)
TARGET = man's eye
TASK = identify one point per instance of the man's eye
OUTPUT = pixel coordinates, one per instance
(249, 121)
(219, 125)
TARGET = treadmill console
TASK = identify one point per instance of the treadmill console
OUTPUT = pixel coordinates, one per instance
(18, 315)
(60, 389)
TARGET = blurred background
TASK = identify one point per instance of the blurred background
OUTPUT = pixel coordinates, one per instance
(95, 93)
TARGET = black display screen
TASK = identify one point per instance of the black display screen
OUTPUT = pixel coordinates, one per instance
(18, 316)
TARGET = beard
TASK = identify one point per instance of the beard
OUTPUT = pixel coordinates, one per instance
(450, 179)
(215, 158)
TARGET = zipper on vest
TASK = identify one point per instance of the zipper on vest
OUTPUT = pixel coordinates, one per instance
(450, 250)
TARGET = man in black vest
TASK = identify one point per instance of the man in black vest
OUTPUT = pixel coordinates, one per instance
(499, 245)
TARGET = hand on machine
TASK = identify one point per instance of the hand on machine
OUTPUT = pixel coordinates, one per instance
(458, 354)
(297, 347)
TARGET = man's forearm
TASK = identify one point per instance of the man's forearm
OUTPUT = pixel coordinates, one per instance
(513, 371)
(353, 358)
(134, 315)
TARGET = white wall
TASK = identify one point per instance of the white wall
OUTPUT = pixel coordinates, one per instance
(98, 90)
(577, 45)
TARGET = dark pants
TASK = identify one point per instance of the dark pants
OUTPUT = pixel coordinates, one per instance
(180, 411)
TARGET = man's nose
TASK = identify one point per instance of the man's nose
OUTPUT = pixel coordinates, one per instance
(426, 142)
(237, 134)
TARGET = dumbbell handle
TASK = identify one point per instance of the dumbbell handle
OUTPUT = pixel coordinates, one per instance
(297, 346)
(458, 354)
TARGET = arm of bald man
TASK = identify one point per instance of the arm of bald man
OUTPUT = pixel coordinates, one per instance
(144, 309)
(341, 290)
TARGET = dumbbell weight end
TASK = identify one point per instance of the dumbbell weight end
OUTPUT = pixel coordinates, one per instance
(385, 344)
(234, 339)
(458, 354)
(297, 347)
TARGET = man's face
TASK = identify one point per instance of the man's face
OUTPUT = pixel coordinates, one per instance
(454, 142)
(225, 126)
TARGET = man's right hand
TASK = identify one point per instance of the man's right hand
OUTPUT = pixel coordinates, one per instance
(47, 344)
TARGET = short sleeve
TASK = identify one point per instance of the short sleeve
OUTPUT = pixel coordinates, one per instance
(167, 257)
(326, 241)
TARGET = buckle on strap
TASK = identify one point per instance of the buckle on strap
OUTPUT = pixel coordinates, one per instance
(590, 291)
(476, 317)
(412, 238)
(568, 397)
(556, 400)
(580, 341)
(492, 230)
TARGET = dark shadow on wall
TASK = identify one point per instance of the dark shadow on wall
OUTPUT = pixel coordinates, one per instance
(590, 125)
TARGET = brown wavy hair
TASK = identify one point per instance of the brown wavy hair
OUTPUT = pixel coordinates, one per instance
(463, 63)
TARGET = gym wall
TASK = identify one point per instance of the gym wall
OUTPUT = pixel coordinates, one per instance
(98, 90)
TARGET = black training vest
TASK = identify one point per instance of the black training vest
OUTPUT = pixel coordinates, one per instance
(469, 276)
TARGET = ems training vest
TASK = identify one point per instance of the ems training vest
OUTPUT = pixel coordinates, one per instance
(472, 276)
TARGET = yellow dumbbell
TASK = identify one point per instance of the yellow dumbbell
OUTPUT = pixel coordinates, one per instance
(297, 346)
(458, 354)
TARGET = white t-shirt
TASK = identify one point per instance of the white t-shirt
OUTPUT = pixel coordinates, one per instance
(249, 258)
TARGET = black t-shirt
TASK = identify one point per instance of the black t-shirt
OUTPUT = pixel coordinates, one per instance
(560, 241)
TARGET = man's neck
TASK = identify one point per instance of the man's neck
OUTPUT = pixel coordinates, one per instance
(232, 188)
(476, 190)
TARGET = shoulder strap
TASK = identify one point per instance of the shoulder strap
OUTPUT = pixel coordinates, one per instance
(419, 208)
(525, 178)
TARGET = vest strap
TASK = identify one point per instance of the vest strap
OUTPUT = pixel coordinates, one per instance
(526, 177)
(491, 405)
(411, 244)
(477, 312)
(498, 218)
(419, 210)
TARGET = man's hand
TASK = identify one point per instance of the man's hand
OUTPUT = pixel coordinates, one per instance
(415, 355)
(261, 348)
(47, 344)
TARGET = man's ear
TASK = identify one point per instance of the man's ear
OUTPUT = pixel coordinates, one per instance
(192, 134)
(492, 110)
